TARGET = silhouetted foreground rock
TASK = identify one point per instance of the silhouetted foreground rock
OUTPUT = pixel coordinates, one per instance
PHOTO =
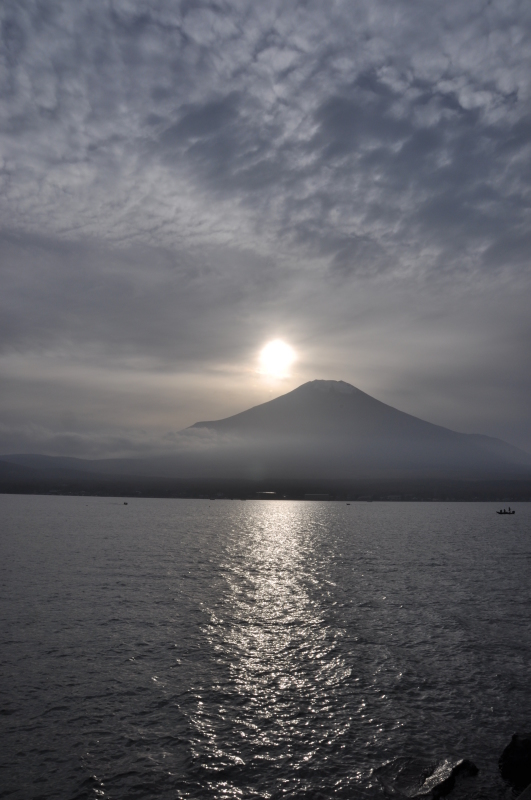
(442, 780)
(515, 761)
(526, 794)
(419, 778)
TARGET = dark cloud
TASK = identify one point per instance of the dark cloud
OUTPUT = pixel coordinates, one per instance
(143, 301)
(274, 110)
(181, 179)
(204, 122)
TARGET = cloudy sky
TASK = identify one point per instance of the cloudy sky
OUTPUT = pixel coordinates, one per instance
(181, 182)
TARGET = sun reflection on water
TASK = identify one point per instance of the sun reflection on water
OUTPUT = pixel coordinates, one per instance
(277, 652)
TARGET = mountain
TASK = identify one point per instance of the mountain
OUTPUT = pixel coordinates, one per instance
(331, 428)
(323, 430)
(335, 408)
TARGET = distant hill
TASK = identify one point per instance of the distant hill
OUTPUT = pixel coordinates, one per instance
(323, 430)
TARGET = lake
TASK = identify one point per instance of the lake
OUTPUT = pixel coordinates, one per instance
(258, 649)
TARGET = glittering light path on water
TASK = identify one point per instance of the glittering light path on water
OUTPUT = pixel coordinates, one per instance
(282, 700)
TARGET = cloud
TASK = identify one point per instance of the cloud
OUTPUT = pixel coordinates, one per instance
(181, 181)
(31, 438)
(142, 301)
(359, 125)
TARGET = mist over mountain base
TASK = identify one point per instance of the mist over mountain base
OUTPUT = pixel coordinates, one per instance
(323, 437)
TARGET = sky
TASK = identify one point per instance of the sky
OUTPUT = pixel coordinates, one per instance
(183, 182)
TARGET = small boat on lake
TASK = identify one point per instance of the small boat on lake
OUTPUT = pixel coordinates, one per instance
(504, 511)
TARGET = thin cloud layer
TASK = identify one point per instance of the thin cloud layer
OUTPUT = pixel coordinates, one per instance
(181, 181)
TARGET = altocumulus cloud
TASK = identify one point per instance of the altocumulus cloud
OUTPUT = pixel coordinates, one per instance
(181, 180)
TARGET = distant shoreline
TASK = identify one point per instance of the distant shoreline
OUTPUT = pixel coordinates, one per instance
(274, 490)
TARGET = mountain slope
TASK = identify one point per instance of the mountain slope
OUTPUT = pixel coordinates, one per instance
(344, 419)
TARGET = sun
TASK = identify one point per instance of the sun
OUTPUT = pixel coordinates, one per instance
(276, 358)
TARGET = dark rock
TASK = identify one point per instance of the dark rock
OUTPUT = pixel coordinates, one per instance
(420, 778)
(526, 794)
(515, 762)
(442, 780)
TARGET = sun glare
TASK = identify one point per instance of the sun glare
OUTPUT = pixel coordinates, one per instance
(276, 358)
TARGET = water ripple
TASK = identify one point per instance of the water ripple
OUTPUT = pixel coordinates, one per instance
(186, 649)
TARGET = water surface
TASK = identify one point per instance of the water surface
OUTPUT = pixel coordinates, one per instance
(229, 649)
